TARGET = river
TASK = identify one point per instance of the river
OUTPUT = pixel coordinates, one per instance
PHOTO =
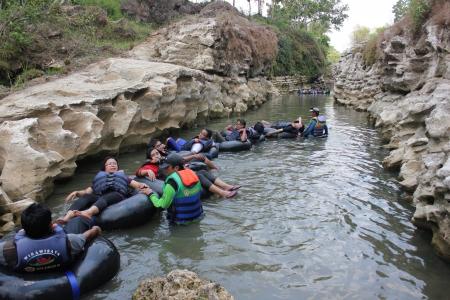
(314, 219)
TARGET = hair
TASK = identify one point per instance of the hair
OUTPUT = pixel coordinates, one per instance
(148, 154)
(152, 143)
(259, 127)
(209, 133)
(242, 121)
(102, 165)
(36, 219)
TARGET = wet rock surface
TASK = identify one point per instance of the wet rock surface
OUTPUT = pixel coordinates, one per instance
(407, 93)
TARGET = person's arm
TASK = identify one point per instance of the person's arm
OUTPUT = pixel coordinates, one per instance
(93, 232)
(243, 134)
(8, 257)
(74, 194)
(310, 128)
(274, 132)
(137, 185)
(146, 171)
(166, 198)
(196, 148)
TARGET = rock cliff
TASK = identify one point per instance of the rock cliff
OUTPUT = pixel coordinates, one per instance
(118, 104)
(407, 93)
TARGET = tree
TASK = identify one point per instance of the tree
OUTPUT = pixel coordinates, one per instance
(304, 12)
(359, 34)
(400, 8)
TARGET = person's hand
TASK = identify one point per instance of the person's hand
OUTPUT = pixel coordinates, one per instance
(146, 191)
(97, 230)
(143, 186)
(199, 156)
(71, 196)
(151, 175)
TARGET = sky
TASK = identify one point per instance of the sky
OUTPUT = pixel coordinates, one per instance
(369, 13)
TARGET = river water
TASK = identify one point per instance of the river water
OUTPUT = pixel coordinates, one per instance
(314, 219)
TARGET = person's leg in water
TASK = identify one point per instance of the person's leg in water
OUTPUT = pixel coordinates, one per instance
(212, 184)
(102, 203)
(217, 137)
(84, 202)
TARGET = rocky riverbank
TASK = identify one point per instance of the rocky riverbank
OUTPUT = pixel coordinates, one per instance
(195, 70)
(406, 93)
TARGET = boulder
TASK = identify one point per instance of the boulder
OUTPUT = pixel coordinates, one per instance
(180, 284)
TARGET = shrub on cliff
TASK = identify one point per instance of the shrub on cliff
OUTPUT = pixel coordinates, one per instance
(37, 34)
(299, 52)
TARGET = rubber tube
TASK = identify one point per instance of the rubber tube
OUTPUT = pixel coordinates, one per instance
(234, 146)
(95, 267)
(129, 213)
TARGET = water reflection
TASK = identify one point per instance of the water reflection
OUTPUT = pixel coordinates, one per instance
(315, 218)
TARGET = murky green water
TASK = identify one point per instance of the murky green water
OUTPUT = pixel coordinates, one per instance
(314, 219)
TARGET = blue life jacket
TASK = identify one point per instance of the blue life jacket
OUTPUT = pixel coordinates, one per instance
(252, 133)
(207, 144)
(105, 182)
(186, 204)
(320, 126)
(235, 134)
(41, 255)
(281, 125)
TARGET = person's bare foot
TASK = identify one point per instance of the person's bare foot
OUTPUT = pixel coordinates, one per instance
(62, 221)
(82, 214)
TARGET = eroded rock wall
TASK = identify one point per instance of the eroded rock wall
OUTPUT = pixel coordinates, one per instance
(116, 104)
(407, 93)
(120, 103)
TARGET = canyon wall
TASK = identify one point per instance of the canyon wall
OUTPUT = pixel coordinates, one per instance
(181, 76)
(407, 94)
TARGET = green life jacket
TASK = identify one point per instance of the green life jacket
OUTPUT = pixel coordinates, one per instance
(186, 204)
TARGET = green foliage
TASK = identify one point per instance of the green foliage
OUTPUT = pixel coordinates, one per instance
(419, 10)
(299, 54)
(112, 7)
(359, 34)
(300, 51)
(400, 9)
(31, 31)
(369, 52)
(333, 55)
(304, 12)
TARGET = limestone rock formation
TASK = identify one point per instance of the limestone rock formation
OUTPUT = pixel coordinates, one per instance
(407, 92)
(180, 284)
(117, 105)
(218, 41)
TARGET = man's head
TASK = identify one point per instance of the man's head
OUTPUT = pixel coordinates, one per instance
(241, 123)
(314, 111)
(205, 134)
(174, 162)
(37, 220)
(259, 127)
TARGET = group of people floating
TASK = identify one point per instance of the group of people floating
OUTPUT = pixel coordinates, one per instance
(181, 192)
(314, 91)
